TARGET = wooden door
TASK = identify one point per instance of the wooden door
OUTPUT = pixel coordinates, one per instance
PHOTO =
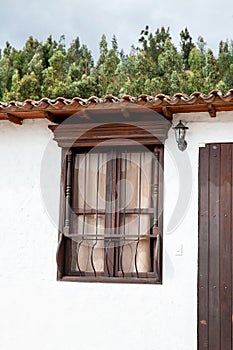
(215, 247)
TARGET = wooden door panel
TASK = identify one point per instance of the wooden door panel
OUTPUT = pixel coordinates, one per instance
(213, 218)
(203, 251)
(215, 248)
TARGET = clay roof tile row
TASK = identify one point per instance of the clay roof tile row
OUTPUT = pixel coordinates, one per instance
(159, 99)
(157, 102)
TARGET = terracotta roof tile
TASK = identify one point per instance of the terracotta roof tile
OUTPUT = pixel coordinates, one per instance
(177, 103)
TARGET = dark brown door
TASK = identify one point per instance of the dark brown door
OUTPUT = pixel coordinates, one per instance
(215, 247)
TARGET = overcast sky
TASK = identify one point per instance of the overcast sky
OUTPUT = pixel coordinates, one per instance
(89, 19)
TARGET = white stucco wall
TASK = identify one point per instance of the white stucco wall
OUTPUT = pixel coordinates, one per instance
(36, 311)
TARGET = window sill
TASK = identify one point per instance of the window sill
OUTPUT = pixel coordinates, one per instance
(104, 279)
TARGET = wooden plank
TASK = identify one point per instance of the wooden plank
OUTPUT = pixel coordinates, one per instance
(61, 250)
(103, 279)
(232, 246)
(160, 149)
(203, 251)
(225, 245)
(214, 302)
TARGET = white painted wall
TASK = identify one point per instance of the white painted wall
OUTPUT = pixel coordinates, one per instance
(36, 311)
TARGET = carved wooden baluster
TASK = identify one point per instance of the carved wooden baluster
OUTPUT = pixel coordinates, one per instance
(156, 192)
(68, 193)
(66, 174)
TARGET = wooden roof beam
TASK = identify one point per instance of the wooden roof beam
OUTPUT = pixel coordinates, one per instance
(167, 112)
(212, 110)
(50, 116)
(13, 119)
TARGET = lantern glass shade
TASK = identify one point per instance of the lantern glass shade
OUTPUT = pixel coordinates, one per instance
(180, 132)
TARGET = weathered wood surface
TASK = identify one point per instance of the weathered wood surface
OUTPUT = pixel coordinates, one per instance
(215, 248)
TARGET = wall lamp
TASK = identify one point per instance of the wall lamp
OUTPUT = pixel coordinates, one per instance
(180, 132)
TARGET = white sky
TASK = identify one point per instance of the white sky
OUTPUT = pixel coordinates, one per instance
(89, 19)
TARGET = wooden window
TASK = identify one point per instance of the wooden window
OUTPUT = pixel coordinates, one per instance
(111, 214)
(111, 196)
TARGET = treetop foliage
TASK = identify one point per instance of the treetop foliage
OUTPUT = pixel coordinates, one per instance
(156, 65)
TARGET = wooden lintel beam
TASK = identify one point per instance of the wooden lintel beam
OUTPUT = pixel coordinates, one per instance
(212, 110)
(13, 119)
(167, 112)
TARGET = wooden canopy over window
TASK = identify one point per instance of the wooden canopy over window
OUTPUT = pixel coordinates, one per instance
(87, 129)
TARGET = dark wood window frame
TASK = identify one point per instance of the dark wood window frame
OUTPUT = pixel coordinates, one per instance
(66, 136)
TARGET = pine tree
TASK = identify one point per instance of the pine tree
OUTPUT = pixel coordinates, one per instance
(186, 45)
(49, 69)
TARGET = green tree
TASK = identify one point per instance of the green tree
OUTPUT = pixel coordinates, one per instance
(224, 62)
(59, 65)
(49, 47)
(115, 44)
(36, 66)
(13, 94)
(4, 74)
(193, 79)
(153, 44)
(186, 45)
(170, 66)
(211, 73)
(29, 86)
(105, 72)
(103, 49)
